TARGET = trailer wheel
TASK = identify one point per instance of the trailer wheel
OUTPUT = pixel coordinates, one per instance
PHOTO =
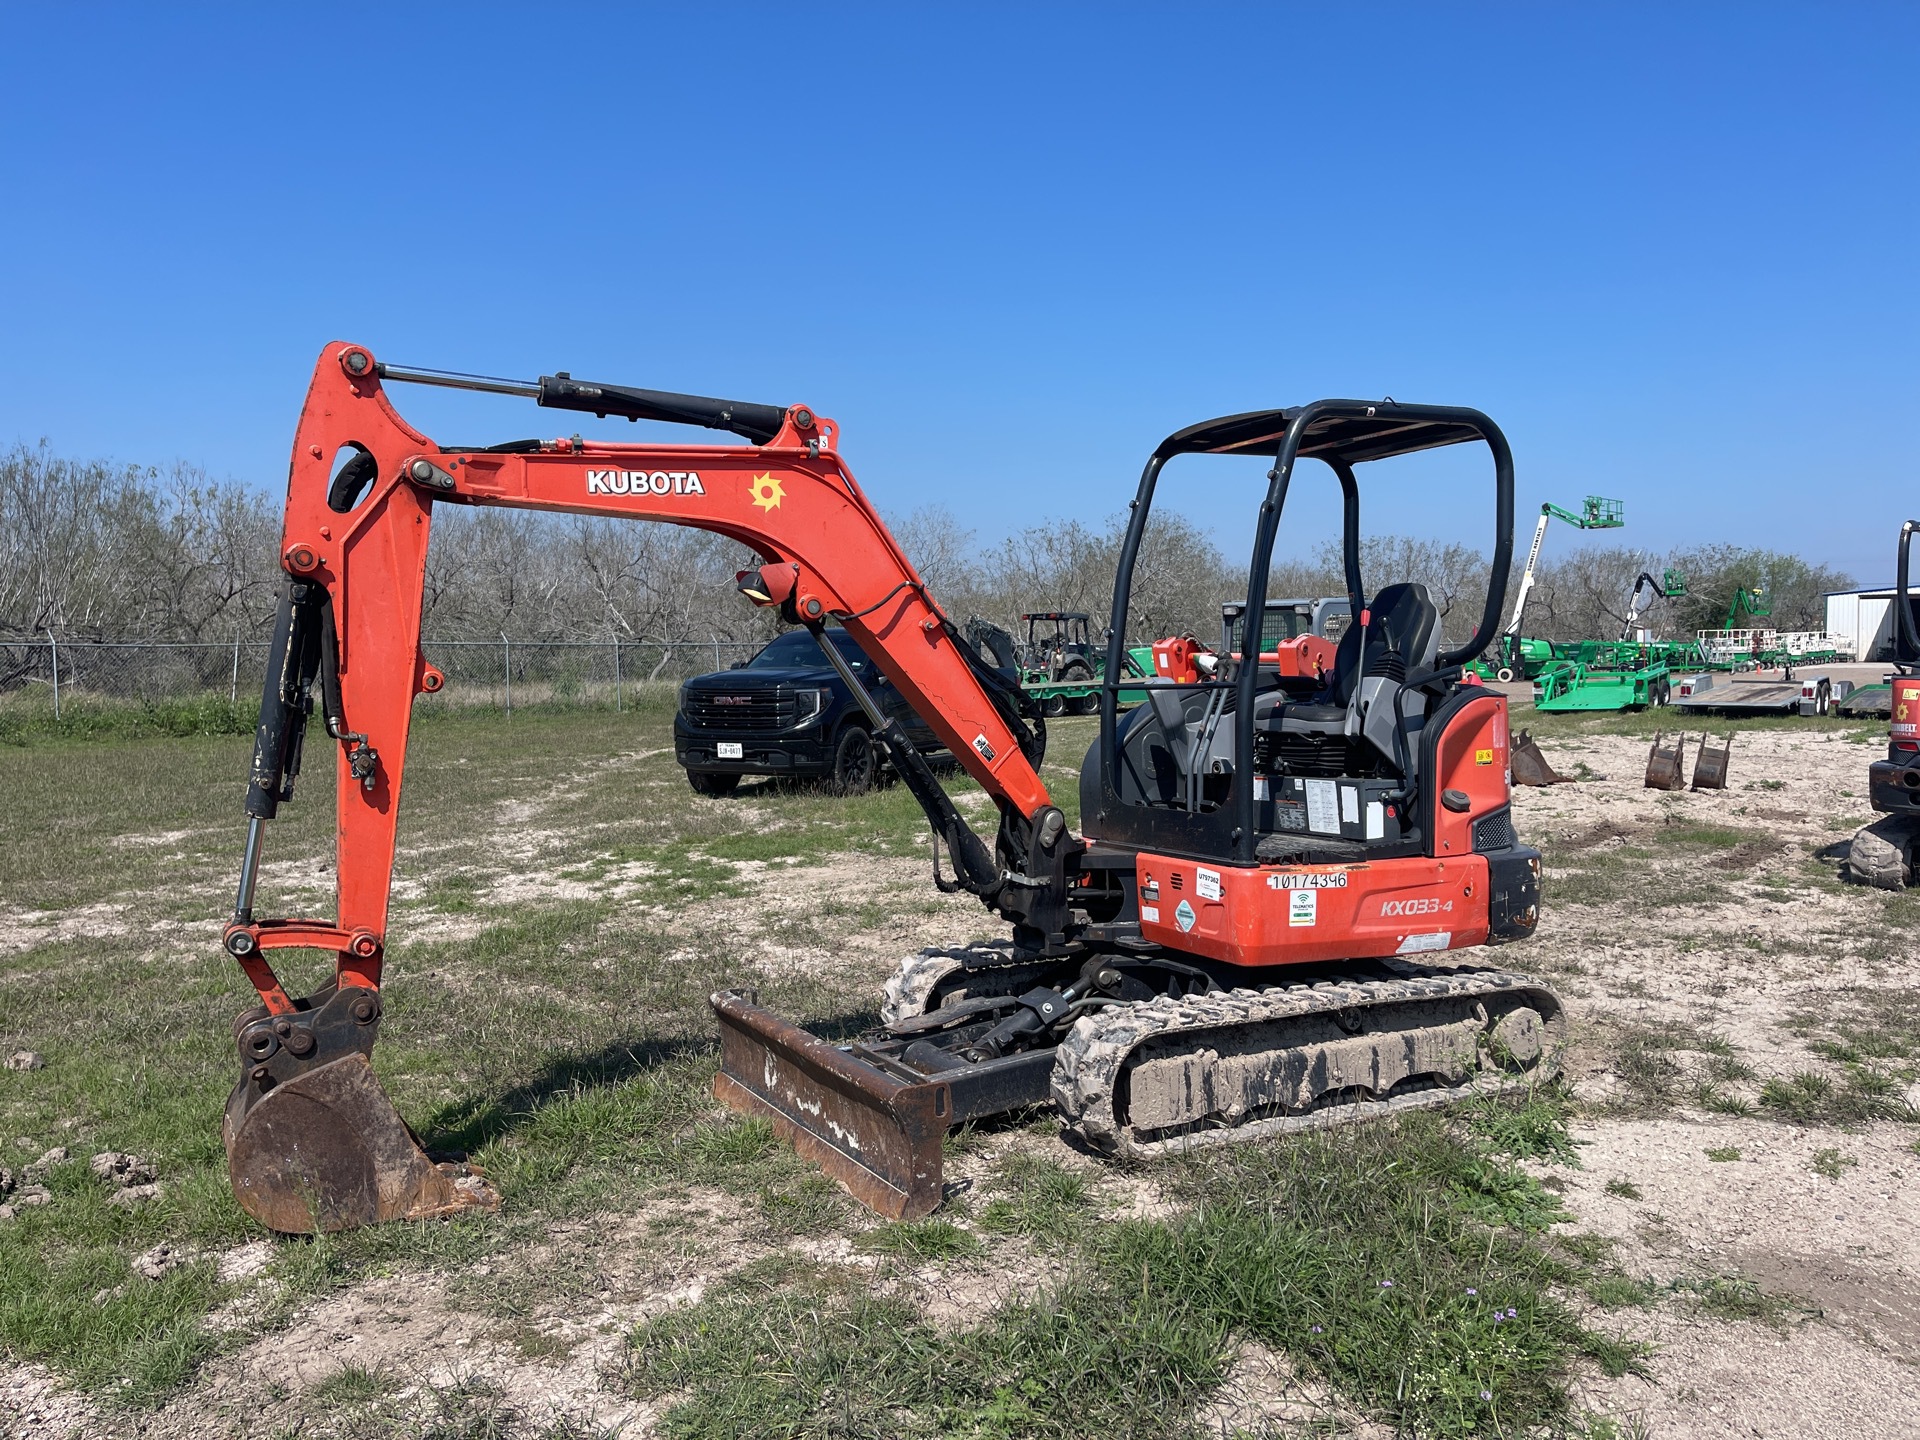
(1662, 690)
(1882, 853)
(1823, 699)
(1504, 675)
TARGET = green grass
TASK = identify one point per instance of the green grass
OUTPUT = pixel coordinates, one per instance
(565, 1043)
(564, 1040)
(25, 721)
(1641, 724)
(1809, 1097)
(1832, 1163)
(1737, 1297)
(920, 1241)
(1402, 1263)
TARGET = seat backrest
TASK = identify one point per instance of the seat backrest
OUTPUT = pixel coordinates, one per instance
(1405, 622)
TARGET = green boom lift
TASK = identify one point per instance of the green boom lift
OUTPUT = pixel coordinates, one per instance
(1517, 657)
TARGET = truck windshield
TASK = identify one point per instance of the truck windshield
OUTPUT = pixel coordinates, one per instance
(797, 650)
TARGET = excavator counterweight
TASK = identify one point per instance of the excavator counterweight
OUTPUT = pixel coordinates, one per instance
(1266, 934)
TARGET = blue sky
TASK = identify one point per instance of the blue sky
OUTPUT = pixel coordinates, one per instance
(1671, 249)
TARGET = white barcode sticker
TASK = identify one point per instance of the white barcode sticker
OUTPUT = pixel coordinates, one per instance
(1206, 883)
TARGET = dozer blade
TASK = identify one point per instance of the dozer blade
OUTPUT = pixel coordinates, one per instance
(327, 1151)
(1664, 762)
(1710, 768)
(1529, 766)
(876, 1134)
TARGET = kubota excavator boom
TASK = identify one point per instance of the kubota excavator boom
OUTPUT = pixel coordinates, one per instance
(311, 1139)
(1247, 947)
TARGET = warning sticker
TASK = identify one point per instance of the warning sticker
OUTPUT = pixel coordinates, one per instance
(1150, 913)
(1206, 883)
(1303, 907)
(1483, 757)
(1183, 915)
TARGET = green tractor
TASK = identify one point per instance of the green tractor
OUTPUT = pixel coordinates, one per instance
(1060, 665)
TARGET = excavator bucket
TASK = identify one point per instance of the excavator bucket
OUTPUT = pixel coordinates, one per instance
(875, 1133)
(1710, 768)
(1664, 762)
(1530, 767)
(313, 1142)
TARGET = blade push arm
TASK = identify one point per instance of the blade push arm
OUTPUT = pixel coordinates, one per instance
(792, 500)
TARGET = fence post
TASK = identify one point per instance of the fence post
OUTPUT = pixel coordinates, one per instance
(233, 690)
(55, 646)
(618, 705)
(716, 652)
(508, 646)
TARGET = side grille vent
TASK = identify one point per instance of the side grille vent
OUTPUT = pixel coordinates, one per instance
(1494, 832)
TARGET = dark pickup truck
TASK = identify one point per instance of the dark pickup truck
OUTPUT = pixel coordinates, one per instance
(787, 712)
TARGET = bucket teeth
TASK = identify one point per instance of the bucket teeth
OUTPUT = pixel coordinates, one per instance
(313, 1142)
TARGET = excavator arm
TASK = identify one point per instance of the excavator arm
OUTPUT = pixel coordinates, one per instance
(312, 1141)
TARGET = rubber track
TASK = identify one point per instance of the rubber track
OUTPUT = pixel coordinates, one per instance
(1089, 1061)
(915, 979)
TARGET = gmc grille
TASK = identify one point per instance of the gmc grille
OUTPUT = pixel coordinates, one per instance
(776, 708)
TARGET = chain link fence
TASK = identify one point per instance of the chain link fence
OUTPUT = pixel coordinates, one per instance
(504, 672)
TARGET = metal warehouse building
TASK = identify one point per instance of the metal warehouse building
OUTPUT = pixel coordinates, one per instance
(1861, 621)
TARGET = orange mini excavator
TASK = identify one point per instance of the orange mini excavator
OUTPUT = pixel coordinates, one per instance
(1259, 931)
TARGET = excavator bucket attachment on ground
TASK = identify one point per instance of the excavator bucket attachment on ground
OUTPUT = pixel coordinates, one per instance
(1710, 767)
(878, 1135)
(1530, 767)
(327, 1151)
(1665, 761)
(313, 1142)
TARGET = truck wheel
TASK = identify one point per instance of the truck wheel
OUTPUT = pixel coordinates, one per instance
(1881, 853)
(1504, 675)
(1823, 701)
(856, 764)
(712, 782)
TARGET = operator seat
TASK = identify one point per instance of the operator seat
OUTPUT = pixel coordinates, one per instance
(1402, 638)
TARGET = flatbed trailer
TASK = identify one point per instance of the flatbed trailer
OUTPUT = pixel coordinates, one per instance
(1740, 695)
(1082, 697)
(1868, 702)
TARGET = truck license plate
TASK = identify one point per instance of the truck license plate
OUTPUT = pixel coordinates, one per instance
(729, 750)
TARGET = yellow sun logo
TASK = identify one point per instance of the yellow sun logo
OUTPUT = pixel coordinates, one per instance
(767, 492)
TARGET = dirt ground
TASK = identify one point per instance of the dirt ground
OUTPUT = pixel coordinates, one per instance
(1704, 947)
